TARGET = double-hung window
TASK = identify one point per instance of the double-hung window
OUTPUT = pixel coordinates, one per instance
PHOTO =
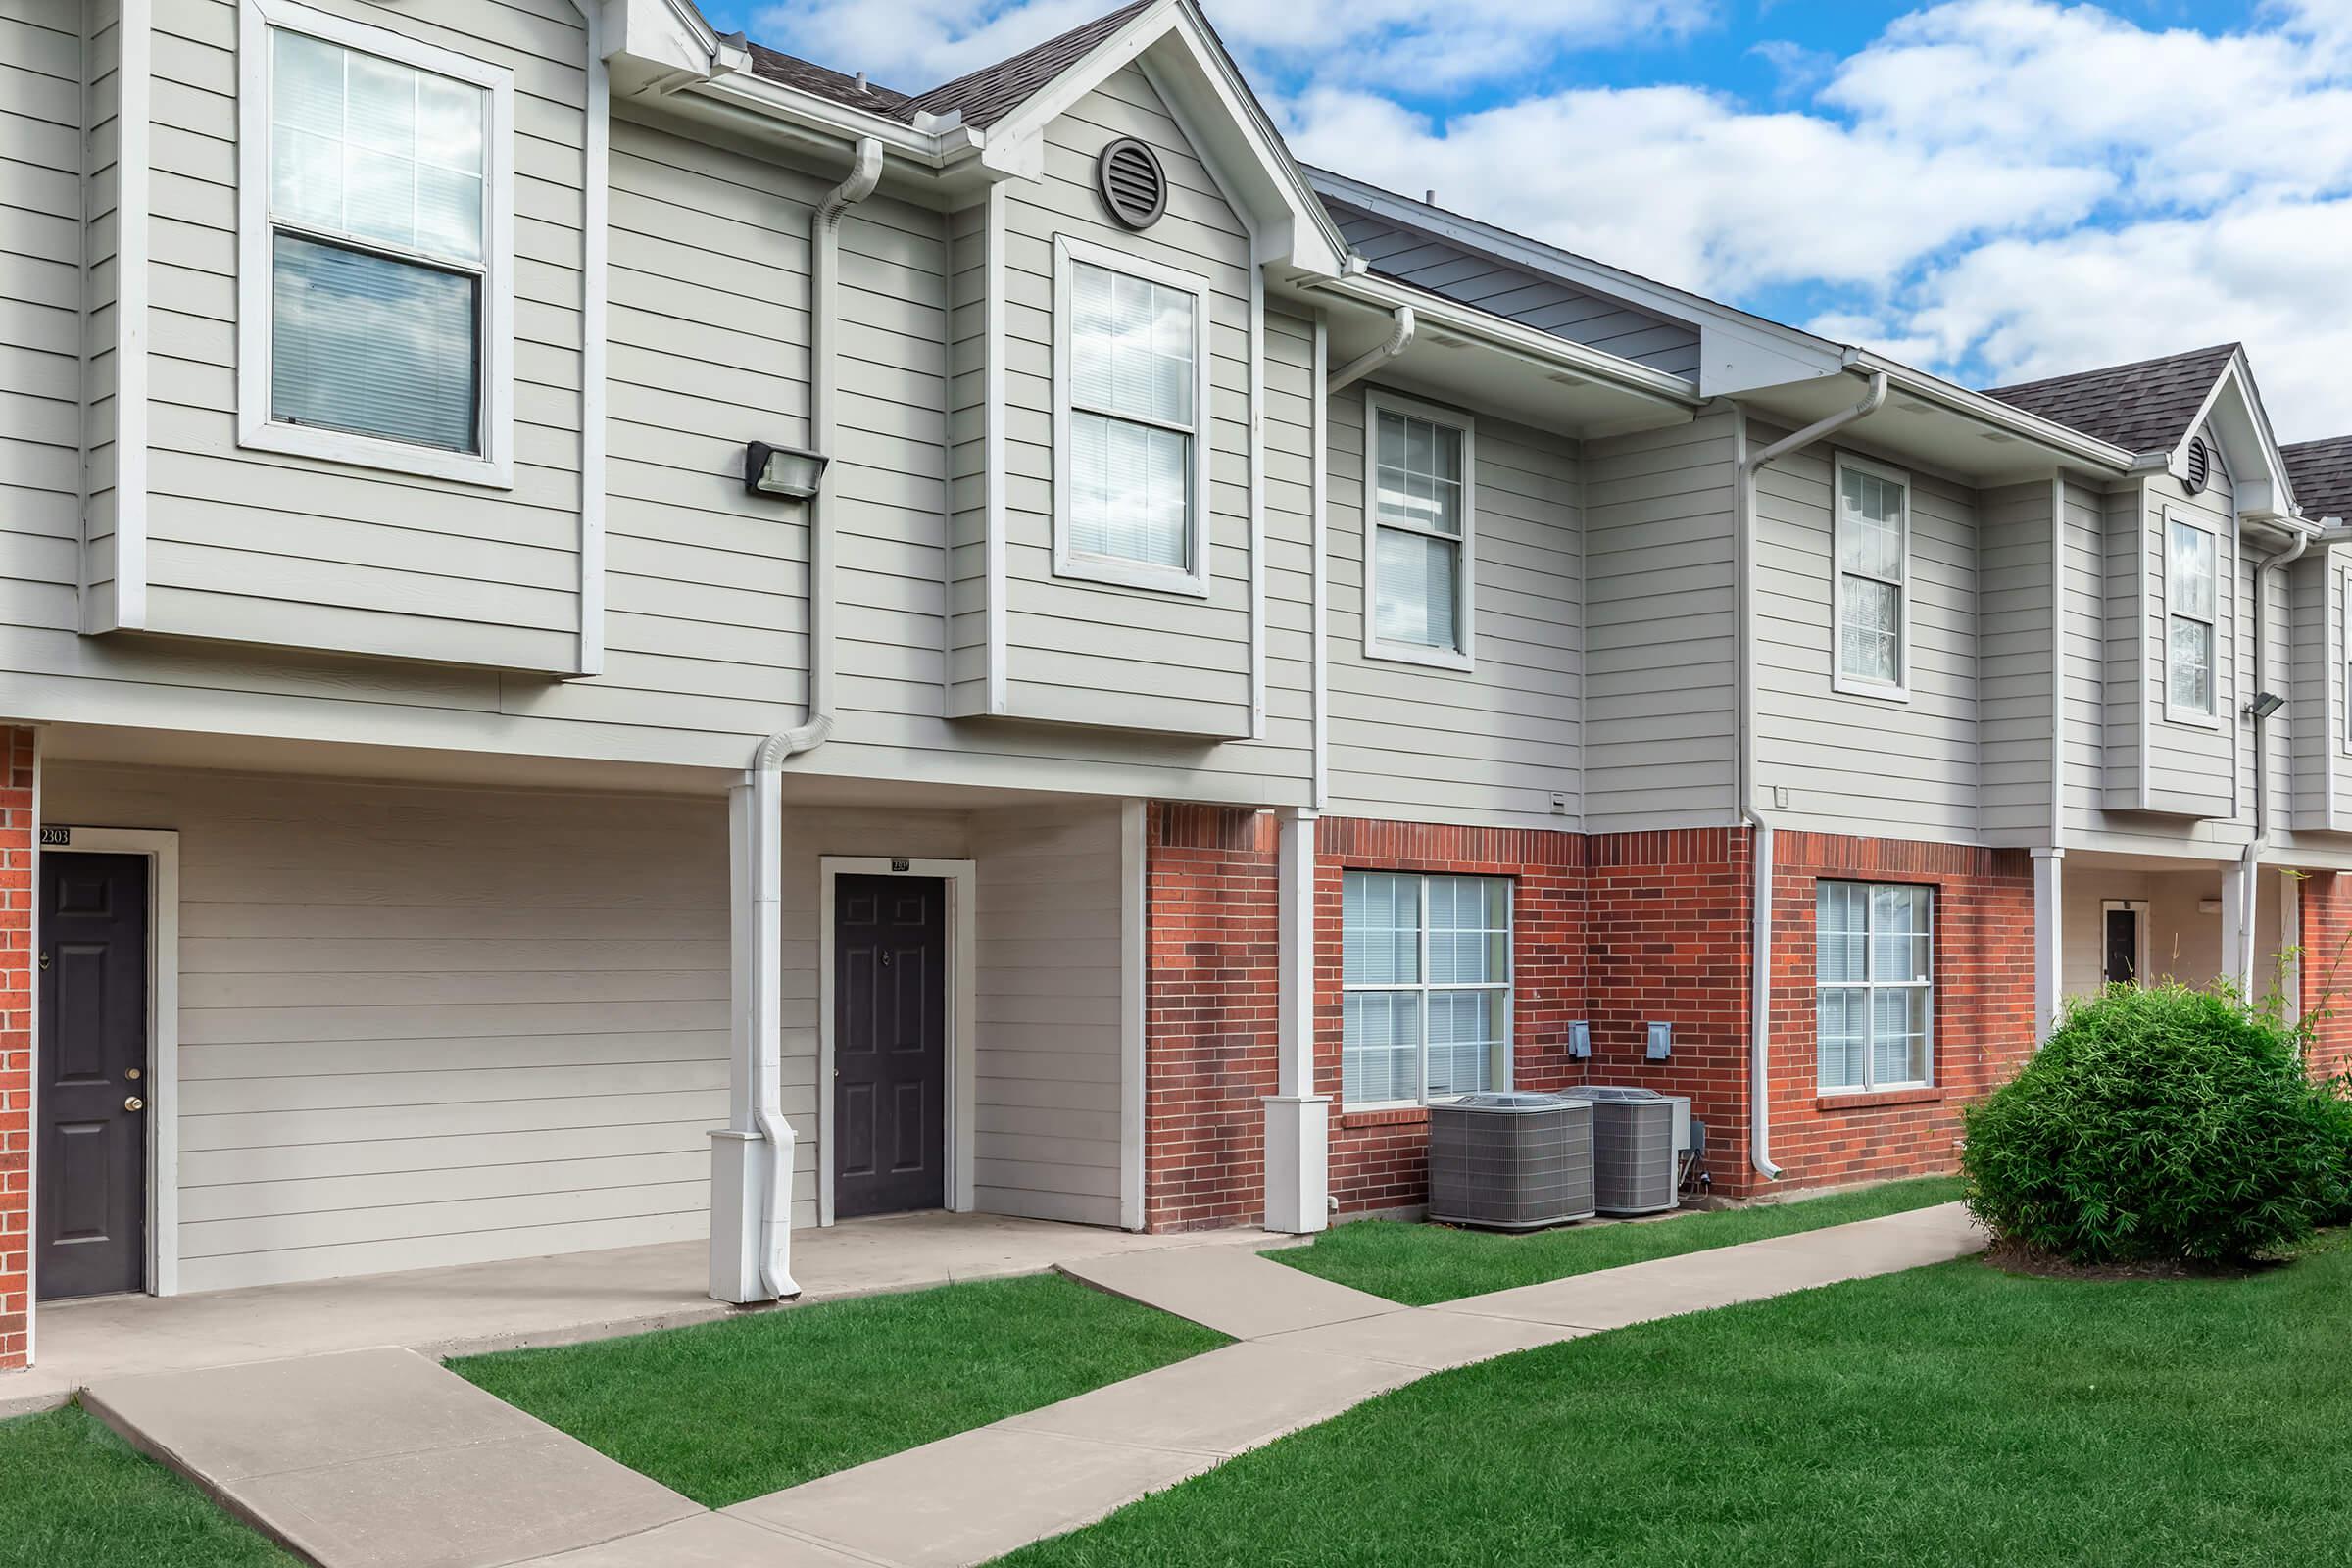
(1425, 971)
(1873, 545)
(375, 247)
(1131, 410)
(1875, 982)
(1418, 592)
(2191, 612)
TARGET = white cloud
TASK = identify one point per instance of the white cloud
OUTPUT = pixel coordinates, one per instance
(1419, 47)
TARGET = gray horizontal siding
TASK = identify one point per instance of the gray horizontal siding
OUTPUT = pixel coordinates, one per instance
(1493, 744)
(2017, 623)
(1661, 671)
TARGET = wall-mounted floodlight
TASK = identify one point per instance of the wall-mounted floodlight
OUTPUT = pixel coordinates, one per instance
(788, 471)
(2264, 704)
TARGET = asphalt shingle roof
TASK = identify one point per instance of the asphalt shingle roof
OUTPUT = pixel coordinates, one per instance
(2143, 407)
(983, 97)
(2322, 474)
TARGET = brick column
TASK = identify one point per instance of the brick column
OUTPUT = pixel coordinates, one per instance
(17, 889)
(2325, 900)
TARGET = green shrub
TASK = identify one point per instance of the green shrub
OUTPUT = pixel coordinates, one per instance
(2161, 1124)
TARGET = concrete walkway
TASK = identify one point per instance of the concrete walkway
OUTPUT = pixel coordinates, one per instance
(386, 1458)
(474, 1307)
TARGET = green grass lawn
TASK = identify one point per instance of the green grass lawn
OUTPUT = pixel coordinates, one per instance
(73, 1493)
(729, 1410)
(1419, 1264)
(1946, 1416)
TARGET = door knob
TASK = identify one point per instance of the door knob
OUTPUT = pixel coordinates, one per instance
(134, 1103)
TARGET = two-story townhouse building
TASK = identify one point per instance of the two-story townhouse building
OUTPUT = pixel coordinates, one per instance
(613, 637)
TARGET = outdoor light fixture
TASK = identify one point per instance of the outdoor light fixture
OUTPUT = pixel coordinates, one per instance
(2265, 703)
(787, 471)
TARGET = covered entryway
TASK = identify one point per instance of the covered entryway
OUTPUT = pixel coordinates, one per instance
(2146, 920)
(90, 1223)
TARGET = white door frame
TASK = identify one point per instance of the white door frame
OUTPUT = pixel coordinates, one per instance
(162, 850)
(963, 985)
(2139, 909)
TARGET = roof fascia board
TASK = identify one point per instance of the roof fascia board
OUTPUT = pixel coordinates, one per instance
(1017, 142)
(2271, 491)
(829, 123)
(2062, 439)
(1437, 311)
(1774, 353)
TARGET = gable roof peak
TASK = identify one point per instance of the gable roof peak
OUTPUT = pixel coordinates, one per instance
(2142, 406)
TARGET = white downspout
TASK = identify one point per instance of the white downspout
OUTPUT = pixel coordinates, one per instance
(1400, 336)
(2249, 872)
(762, 1005)
(824, 270)
(1759, 1001)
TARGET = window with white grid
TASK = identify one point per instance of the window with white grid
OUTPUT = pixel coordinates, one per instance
(1425, 975)
(1874, 577)
(2191, 613)
(1873, 972)
(1417, 472)
(1131, 345)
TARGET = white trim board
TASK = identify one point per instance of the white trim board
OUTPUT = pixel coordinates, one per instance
(134, 117)
(162, 848)
(962, 878)
(596, 161)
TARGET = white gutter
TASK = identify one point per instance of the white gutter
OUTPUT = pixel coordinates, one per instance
(760, 1031)
(825, 245)
(1759, 1003)
(1363, 365)
(1501, 335)
(2088, 449)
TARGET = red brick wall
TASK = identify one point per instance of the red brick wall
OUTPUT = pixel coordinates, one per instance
(1618, 929)
(2325, 899)
(1983, 969)
(17, 894)
(1378, 1159)
(1210, 1014)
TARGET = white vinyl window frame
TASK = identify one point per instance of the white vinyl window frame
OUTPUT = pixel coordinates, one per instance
(1464, 654)
(1871, 985)
(258, 228)
(2209, 718)
(1193, 577)
(1899, 689)
(1423, 986)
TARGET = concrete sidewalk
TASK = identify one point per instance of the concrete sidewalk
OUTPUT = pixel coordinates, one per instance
(387, 1458)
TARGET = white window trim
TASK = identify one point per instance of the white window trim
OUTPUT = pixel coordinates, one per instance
(1509, 986)
(1193, 577)
(1900, 690)
(2222, 575)
(1870, 1084)
(493, 465)
(1465, 612)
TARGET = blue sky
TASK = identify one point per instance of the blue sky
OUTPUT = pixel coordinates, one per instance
(1994, 189)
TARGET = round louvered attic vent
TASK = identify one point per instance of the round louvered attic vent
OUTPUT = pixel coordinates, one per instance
(1133, 184)
(2200, 467)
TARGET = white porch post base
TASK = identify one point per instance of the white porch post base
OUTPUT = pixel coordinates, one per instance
(1298, 1163)
(2049, 955)
(737, 1179)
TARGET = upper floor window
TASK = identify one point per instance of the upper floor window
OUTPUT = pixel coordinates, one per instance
(1131, 353)
(1873, 544)
(1874, 983)
(2190, 613)
(1417, 476)
(375, 292)
(1425, 971)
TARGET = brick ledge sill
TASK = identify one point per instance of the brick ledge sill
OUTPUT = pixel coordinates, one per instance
(1395, 1116)
(1892, 1097)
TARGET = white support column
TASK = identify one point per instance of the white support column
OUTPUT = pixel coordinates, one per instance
(2049, 949)
(2238, 926)
(751, 1214)
(1298, 1119)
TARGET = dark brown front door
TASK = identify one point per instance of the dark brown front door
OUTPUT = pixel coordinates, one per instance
(890, 1043)
(93, 1161)
(2123, 947)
